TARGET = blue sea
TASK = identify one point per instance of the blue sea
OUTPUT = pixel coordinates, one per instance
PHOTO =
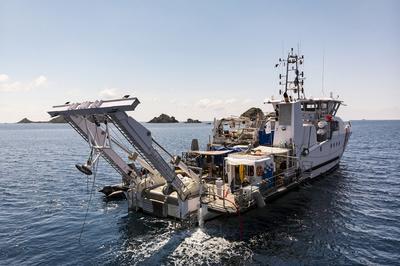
(351, 216)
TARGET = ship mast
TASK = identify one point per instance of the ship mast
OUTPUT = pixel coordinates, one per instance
(294, 79)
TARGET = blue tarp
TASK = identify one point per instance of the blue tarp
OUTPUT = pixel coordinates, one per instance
(265, 138)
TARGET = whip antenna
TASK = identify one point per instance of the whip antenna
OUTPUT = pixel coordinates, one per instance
(323, 72)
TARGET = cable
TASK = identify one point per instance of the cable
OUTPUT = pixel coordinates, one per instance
(90, 199)
(122, 141)
(162, 148)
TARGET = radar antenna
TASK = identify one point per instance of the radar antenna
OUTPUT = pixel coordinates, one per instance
(293, 78)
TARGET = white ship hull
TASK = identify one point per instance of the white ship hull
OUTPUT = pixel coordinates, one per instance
(325, 156)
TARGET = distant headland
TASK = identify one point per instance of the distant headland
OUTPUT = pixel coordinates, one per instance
(55, 120)
(252, 113)
(163, 118)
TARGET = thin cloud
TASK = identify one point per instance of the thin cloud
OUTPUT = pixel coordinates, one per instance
(203, 103)
(3, 77)
(208, 103)
(8, 85)
(107, 94)
(230, 101)
(114, 93)
(39, 81)
(215, 104)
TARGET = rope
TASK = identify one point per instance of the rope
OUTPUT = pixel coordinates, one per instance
(90, 199)
(162, 148)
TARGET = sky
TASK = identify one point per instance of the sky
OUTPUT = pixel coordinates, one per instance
(197, 59)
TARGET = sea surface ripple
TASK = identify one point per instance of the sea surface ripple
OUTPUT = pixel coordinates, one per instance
(351, 216)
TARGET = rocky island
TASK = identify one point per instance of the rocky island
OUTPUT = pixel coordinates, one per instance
(253, 113)
(55, 120)
(25, 121)
(192, 121)
(163, 118)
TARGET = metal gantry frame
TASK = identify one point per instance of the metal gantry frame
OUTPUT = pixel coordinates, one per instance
(84, 118)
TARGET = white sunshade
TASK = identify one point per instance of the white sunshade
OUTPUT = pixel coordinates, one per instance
(271, 150)
(212, 153)
(244, 161)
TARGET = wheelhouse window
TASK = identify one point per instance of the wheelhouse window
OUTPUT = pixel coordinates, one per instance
(324, 107)
(335, 108)
(310, 107)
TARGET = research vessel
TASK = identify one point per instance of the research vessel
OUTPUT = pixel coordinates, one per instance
(244, 165)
